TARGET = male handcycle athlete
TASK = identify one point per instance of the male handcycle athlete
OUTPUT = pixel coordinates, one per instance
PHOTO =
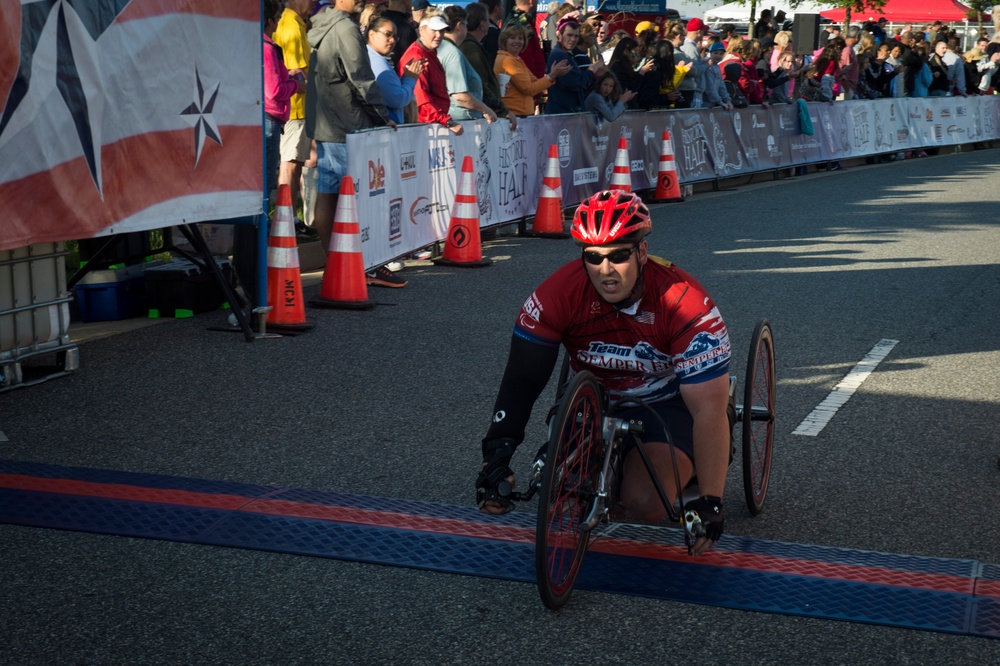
(646, 330)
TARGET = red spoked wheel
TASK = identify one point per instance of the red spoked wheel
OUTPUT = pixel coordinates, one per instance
(569, 483)
(758, 417)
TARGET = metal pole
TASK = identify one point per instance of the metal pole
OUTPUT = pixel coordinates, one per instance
(263, 228)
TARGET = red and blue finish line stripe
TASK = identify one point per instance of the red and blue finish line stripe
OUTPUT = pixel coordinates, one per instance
(935, 594)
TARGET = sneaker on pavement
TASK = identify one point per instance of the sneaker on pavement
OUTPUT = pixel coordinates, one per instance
(383, 277)
(422, 255)
(394, 266)
(301, 229)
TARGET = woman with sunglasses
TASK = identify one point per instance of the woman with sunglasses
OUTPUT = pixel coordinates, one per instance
(396, 91)
(646, 330)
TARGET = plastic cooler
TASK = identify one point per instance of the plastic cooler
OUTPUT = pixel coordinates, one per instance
(112, 294)
(180, 288)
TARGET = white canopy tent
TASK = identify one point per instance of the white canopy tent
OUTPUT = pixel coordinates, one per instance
(738, 12)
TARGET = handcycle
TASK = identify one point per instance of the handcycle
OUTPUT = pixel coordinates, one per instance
(577, 470)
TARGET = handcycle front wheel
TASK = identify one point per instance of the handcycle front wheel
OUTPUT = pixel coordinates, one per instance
(758, 417)
(568, 490)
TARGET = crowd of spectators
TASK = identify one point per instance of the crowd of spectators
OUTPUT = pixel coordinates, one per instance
(406, 61)
(869, 63)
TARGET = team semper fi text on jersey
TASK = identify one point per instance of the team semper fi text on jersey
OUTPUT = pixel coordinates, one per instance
(673, 335)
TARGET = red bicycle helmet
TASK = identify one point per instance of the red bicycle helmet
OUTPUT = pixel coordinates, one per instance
(611, 216)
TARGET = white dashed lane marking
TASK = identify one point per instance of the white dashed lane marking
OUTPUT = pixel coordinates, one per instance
(842, 392)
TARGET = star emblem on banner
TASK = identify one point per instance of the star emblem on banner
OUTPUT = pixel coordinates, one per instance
(58, 52)
(198, 114)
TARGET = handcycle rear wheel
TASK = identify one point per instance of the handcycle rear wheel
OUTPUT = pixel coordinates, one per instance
(569, 483)
(758, 417)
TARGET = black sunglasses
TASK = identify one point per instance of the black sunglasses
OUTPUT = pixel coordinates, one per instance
(616, 257)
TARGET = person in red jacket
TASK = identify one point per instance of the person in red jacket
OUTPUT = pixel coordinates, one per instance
(750, 83)
(431, 92)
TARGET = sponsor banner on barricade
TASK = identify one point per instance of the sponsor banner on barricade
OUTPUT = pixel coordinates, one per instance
(406, 184)
(584, 150)
(694, 135)
(407, 177)
(516, 171)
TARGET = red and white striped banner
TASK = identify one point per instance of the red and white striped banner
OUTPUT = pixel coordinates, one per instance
(127, 115)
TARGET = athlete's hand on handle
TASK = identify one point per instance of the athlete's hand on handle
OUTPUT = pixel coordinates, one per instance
(705, 519)
(495, 482)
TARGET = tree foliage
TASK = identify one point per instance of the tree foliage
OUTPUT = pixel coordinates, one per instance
(849, 5)
(976, 10)
(860, 6)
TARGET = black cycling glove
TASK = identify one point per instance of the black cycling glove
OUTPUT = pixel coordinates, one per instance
(492, 484)
(705, 517)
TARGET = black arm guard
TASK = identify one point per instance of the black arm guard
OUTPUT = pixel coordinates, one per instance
(529, 367)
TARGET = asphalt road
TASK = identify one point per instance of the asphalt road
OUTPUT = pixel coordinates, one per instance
(392, 403)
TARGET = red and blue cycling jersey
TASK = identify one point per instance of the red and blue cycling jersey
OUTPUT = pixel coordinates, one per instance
(673, 335)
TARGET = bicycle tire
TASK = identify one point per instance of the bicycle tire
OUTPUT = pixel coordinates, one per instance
(758, 417)
(568, 489)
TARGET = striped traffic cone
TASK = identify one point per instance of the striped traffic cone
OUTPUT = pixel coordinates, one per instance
(548, 222)
(668, 187)
(621, 177)
(284, 281)
(345, 285)
(463, 246)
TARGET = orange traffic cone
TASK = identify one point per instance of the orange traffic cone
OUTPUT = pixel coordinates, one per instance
(548, 222)
(668, 187)
(621, 177)
(344, 283)
(284, 281)
(463, 247)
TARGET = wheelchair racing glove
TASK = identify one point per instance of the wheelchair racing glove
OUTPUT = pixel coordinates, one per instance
(705, 517)
(492, 484)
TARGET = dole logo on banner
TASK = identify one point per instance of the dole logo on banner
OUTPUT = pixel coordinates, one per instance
(376, 178)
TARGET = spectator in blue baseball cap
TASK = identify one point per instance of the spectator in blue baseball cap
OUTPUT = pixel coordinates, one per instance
(715, 93)
(417, 9)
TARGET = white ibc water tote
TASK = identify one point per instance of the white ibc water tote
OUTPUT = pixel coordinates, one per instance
(34, 316)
